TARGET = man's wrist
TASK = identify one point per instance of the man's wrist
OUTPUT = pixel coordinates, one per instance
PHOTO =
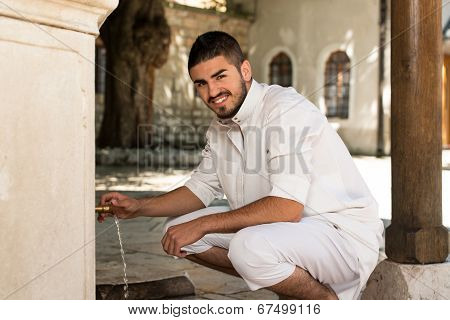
(144, 207)
(209, 223)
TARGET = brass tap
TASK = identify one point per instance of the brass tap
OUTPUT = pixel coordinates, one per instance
(103, 209)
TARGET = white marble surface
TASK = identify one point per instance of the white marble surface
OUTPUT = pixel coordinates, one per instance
(394, 281)
(47, 148)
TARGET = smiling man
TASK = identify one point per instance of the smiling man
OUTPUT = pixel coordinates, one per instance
(226, 89)
(300, 222)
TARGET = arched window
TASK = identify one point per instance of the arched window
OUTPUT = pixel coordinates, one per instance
(281, 70)
(337, 84)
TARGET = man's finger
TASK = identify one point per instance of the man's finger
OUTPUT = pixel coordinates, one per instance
(118, 212)
(105, 198)
(165, 244)
(120, 203)
(115, 211)
(177, 251)
(163, 239)
(102, 216)
(172, 247)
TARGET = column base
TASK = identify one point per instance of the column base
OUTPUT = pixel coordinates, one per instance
(418, 245)
(394, 281)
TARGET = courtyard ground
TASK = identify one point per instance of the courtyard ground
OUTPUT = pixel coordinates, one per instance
(146, 261)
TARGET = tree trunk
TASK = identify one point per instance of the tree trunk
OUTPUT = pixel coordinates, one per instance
(136, 38)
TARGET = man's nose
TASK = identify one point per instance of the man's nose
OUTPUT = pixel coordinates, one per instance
(214, 90)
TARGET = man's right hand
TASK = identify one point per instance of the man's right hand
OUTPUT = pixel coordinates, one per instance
(123, 207)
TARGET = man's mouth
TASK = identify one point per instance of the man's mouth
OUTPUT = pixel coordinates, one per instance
(220, 99)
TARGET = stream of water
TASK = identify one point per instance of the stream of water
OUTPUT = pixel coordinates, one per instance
(125, 279)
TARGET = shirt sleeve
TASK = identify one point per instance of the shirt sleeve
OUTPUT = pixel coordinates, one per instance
(204, 182)
(292, 132)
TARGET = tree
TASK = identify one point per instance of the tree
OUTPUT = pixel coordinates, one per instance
(137, 38)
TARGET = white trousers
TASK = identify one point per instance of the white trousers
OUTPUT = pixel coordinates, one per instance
(267, 254)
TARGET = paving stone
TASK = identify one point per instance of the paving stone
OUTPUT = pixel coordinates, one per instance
(214, 296)
(212, 281)
(156, 289)
(146, 261)
(261, 294)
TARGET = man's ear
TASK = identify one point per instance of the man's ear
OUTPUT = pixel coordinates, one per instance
(246, 70)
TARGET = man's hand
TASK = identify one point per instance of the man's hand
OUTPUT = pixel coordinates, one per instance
(123, 207)
(181, 235)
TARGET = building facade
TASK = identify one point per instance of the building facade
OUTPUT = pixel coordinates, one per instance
(326, 50)
(336, 53)
(334, 58)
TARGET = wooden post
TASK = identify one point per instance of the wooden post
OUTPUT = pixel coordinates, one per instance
(380, 129)
(416, 234)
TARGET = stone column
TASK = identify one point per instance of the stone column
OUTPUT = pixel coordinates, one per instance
(416, 234)
(47, 145)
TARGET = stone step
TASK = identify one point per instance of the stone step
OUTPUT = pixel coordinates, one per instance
(171, 287)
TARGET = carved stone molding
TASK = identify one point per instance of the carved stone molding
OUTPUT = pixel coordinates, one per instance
(78, 15)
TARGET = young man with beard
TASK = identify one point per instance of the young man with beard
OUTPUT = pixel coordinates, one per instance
(301, 220)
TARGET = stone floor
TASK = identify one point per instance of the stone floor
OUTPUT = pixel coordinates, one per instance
(146, 260)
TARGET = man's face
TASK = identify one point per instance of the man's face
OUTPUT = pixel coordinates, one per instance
(221, 86)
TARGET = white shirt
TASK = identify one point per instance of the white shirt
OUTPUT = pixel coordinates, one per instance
(280, 144)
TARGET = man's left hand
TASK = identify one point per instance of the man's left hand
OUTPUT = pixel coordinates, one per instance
(181, 235)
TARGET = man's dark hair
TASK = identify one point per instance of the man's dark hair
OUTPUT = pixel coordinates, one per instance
(213, 44)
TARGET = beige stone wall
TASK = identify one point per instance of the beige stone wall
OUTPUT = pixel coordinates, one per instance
(309, 31)
(174, 96)
(47, 148)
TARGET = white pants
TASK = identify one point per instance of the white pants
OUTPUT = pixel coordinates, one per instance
(267, 254)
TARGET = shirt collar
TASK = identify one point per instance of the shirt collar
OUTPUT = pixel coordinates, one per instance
(248, 106)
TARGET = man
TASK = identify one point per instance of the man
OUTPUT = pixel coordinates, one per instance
(301, 220)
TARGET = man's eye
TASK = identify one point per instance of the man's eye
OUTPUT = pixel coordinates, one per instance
(199, 84)
(220, 77)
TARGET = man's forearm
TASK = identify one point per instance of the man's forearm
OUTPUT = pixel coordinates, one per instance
(265, 210)
(174, 203)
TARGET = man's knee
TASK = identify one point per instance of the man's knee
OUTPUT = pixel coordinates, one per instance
(257, 260)
(250, 252)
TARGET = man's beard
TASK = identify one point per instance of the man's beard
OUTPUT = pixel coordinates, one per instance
(233, 111)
